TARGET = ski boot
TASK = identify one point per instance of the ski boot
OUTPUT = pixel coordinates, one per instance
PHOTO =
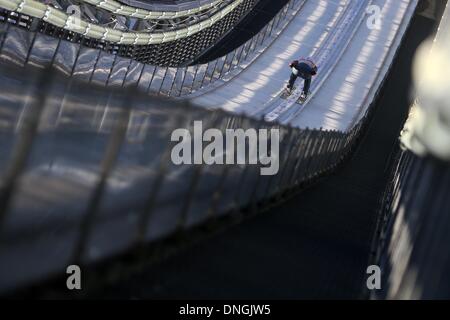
(288, 90)
(303, 97)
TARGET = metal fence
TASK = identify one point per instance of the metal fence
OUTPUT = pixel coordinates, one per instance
(178, 52)
(86, 171)
(85, 164)
(413, 243)
(22, 47)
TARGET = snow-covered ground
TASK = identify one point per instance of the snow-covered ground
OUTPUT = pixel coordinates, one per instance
(353, 59)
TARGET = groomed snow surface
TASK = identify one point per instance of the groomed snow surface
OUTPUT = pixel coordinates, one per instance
(351, 71)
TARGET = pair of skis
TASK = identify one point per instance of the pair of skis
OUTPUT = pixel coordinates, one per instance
(286, 93)
(284, 106)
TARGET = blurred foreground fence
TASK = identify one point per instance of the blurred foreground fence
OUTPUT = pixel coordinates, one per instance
(86, 171)
(414, 242)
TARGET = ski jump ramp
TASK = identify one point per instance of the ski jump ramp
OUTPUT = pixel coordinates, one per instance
(353, 57)
(353, 43)
(353, 53)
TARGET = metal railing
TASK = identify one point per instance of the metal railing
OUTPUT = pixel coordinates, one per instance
(158, 11)
(184, 44)
(22, 47)
(182, 7)
(98, 27)
(412, 241)
(85, 165)
(412, 246)
(86, 171)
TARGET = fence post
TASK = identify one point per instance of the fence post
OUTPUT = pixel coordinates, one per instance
(155, 188)
(193, 79)
(293, 180)
(214, 120)
(22, 148)
(109, 159)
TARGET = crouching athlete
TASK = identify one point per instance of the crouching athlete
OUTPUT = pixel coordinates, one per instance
(304, 68)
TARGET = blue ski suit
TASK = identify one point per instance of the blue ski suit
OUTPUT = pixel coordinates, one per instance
(304, 68)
